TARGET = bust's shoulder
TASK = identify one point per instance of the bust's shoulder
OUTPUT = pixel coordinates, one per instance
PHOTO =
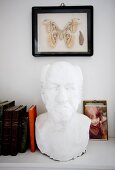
(82, 118)
(41, 119)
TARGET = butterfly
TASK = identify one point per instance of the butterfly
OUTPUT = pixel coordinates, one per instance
(66, 34)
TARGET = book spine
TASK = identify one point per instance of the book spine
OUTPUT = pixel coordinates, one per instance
(23, 134)
(6, 133)
(0, 137)
(10, 104)
(1, 111)
(2, 108)
(32, 117)
(14, 133)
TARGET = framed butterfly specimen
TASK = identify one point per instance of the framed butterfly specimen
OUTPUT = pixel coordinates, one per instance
(62, 31)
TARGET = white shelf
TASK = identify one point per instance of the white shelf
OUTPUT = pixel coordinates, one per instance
(99, 155)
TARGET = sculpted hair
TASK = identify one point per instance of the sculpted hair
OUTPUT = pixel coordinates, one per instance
(47, 68)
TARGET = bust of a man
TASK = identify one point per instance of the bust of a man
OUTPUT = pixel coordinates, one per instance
(62, 133)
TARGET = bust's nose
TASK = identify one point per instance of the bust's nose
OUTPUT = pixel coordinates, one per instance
(61, 96)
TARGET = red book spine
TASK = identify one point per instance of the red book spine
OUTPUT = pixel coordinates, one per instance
(32, 113)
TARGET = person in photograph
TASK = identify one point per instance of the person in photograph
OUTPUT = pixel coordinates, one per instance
(98, 127)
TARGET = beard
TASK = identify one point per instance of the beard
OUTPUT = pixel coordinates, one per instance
(61, 113)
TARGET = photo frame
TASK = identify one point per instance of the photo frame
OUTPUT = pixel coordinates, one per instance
(62, 31)
(97, 112)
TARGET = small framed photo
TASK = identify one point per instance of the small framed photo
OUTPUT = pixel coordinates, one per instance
(97, 112)
(62, 31)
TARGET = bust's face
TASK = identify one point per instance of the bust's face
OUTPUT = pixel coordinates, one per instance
(61, 93)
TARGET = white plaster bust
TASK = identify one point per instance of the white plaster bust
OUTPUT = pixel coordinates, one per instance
(61, 132)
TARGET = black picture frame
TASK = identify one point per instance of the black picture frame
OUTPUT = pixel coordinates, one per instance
(59, 14)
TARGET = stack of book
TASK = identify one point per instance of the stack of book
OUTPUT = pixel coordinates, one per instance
(13, 128)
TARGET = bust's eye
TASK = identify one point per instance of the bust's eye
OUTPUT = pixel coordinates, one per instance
(56, 87)
(70, 88)
(67, 88)
(52, 87)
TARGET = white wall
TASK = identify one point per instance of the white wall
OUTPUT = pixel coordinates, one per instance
(20, 71)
